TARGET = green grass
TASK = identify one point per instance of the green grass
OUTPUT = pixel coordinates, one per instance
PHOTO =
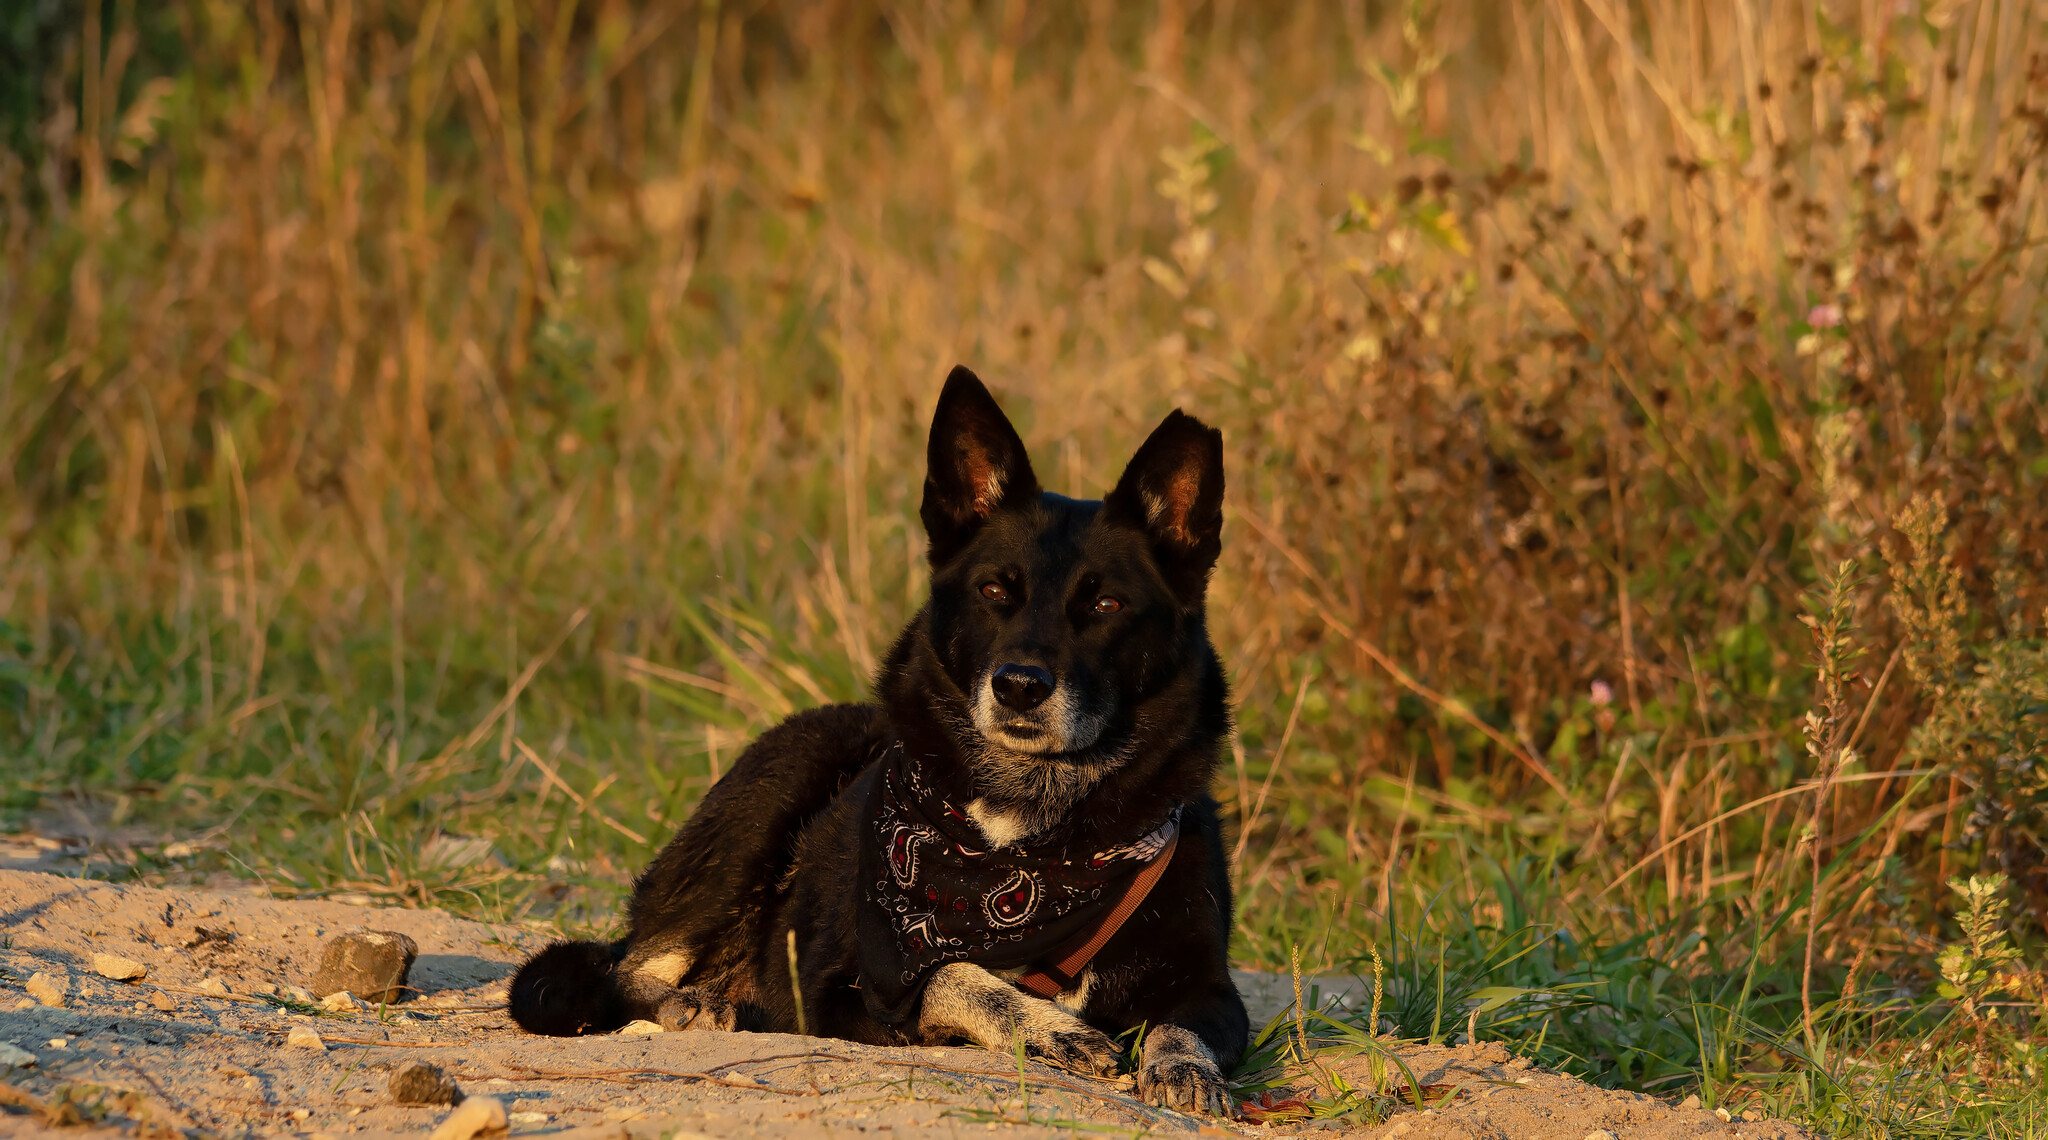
(426, 422)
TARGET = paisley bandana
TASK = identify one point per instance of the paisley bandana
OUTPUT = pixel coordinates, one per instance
(936, 893)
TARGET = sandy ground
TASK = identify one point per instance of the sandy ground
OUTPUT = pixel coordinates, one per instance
(166, 1055)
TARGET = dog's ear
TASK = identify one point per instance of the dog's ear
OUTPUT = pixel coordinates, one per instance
(1173, 491)
(974, 465)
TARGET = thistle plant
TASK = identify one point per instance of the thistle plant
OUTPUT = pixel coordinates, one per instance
(1985, 962)
(1927, 594)
(1989, 725)
(1827, 729)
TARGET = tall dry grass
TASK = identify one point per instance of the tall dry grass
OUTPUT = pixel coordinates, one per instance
(409, 411)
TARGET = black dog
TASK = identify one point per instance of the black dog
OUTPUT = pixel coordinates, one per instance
(1034, 780)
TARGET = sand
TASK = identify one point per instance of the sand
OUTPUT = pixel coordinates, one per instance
(170, 1054)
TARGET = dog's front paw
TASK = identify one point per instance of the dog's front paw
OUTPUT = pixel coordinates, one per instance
(1192, 1085)
(1073, 1045)
(1179, 1072)
(696, 1009)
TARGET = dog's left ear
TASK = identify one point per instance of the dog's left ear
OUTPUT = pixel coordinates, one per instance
(1173, 491)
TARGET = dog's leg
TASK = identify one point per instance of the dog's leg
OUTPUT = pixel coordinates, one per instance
(964, 1000)
(648, 979)
(1180, 1073)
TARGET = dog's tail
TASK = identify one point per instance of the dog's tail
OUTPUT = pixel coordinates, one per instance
(569, 989)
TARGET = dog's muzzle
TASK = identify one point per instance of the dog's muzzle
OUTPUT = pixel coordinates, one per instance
(1024, 708)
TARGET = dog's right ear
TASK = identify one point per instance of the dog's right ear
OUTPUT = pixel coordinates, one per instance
(974, 465)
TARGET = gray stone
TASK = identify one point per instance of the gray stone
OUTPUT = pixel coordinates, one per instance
(417, 1082)
(371, 964)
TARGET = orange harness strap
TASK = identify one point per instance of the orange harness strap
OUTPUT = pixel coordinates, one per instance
(1051, 980)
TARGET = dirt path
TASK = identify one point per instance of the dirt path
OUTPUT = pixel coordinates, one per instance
(168, 1050)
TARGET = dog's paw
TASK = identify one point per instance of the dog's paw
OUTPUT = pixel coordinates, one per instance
(1071, 1044)
(696, 1009)
(1187, 1084)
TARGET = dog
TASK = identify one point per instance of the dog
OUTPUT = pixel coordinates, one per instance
(1016, 840)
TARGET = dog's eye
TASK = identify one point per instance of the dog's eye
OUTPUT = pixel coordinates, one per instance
(1107, 605)
(994, 592)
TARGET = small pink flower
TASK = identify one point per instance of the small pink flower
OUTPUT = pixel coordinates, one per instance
(1603, 694)
(1825, 316)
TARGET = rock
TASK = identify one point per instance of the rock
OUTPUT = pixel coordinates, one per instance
(46, 988)
(632, 1027)
(119, 969)
(1692, 1101)
(343, 1002)
(163, 1001)
(1601, 1134)
(303, 1037)
(371, 964)
(300, 994)
(417, 1082)
(211, 986)
(1725, 1115)
(529, 1118)
(13, 1056)
(473, 1117)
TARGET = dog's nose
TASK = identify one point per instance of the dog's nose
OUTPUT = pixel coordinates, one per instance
(1021, 687)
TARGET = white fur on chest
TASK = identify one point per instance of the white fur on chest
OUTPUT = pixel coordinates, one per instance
(1000, 828)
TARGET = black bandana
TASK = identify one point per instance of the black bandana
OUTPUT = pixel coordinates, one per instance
(937, 894)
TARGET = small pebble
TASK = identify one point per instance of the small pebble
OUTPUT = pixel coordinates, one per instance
(47, 988)
(475, 1115)
(302, 1037)
(300, 994)
(418, 1082)
(1724, 1114)
(529, 1118)
(59, 1042)
(118, 968)
(301, 1113)
(342, 1001)
(1692, 1101)
(163, 1001)
(13, 1056)
(211, 986)
(633, 1027)
(1601, 1134)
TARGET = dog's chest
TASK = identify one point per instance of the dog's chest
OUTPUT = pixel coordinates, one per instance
(1000, 828)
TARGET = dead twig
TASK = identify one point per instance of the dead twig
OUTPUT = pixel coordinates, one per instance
(394, 1044)
(621, 1076)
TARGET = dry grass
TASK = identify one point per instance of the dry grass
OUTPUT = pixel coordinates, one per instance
(1560, 347)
